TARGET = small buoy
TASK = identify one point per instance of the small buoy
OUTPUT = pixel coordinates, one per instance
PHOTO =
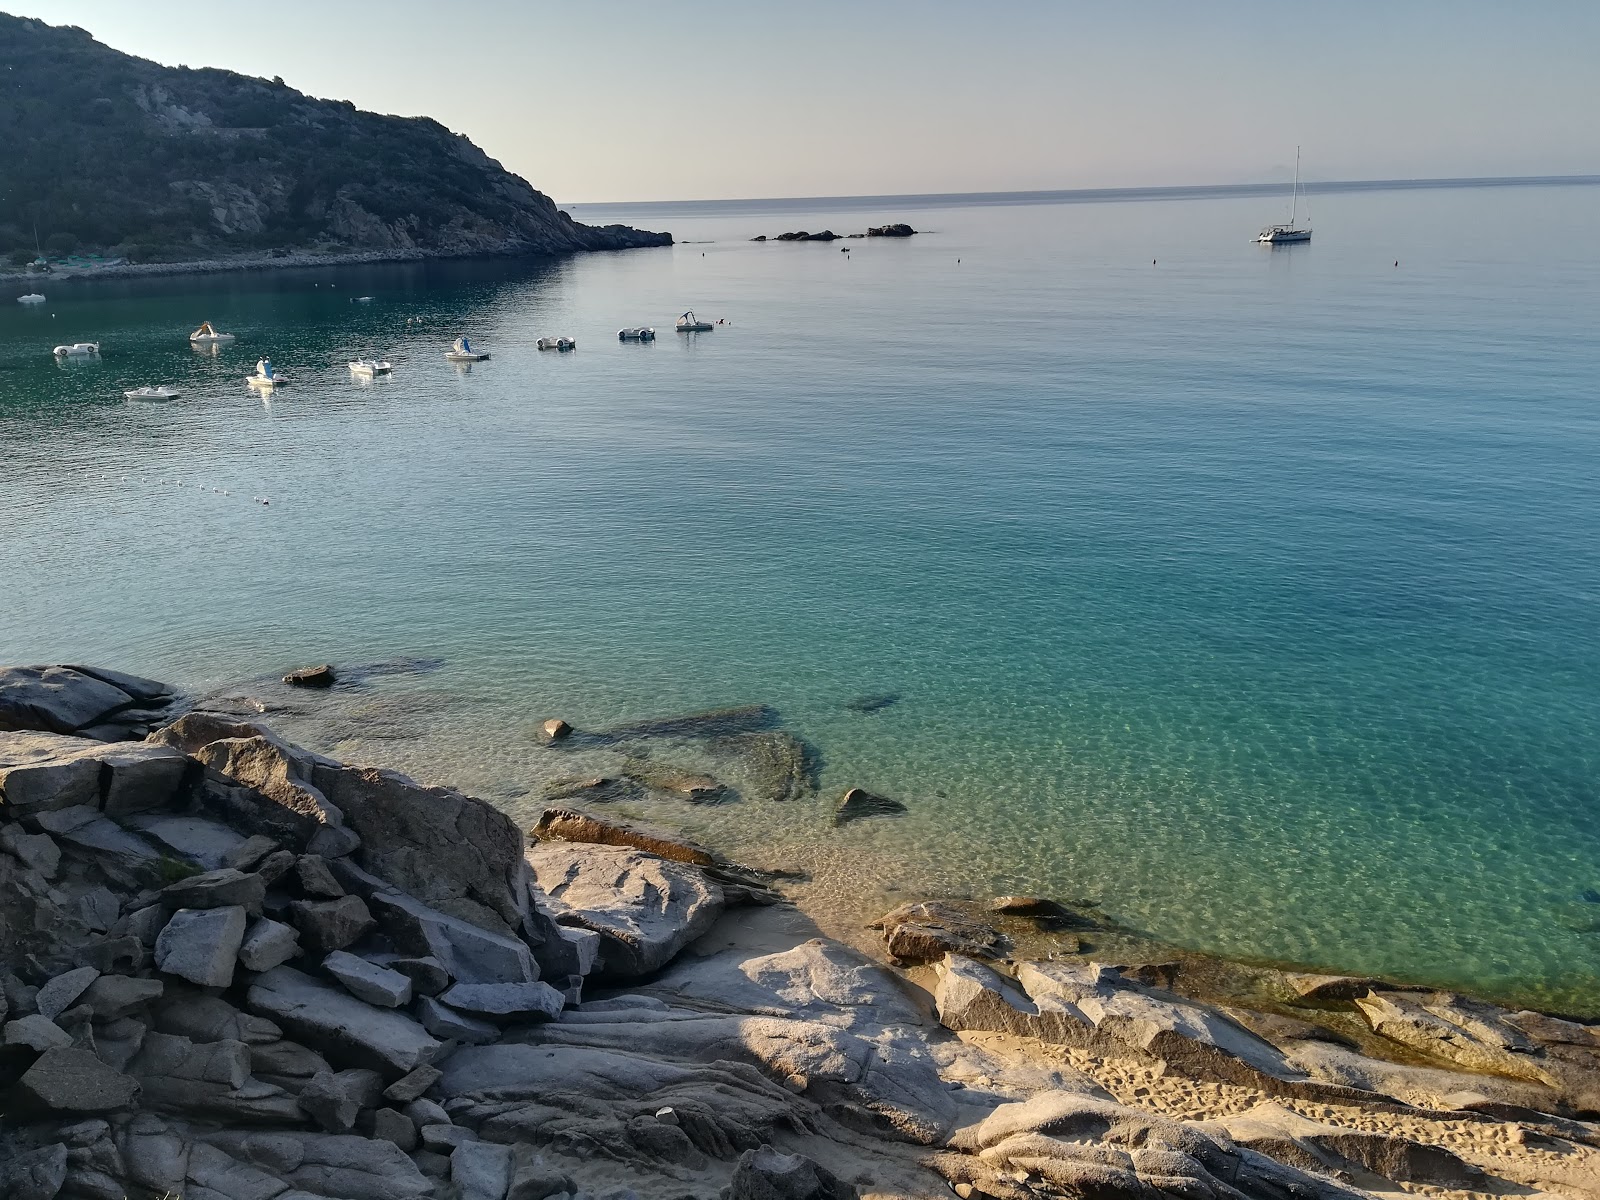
(1397, 262)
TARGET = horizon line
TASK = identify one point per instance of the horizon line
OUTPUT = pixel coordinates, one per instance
(1089, 195)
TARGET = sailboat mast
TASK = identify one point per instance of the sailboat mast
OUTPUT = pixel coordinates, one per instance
(1294, 195)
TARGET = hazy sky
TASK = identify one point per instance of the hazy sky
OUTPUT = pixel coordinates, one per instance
(634, 101)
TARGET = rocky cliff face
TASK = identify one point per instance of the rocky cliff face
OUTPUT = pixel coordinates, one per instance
(115, 154)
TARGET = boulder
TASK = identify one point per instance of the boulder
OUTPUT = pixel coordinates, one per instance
(112, 997)
(450, 1026)
(412, 1085)
(427, 974)
(570, 825)
(66, 1079)
(267, 944)
(1321, 988)
(426, 1112)
(315, 879)
(534, 1179)
(281, 801)
(112, 846)
(325, 1164)
(222, 888)
(48, 771)
(481, 1170)
(928, 930)
(62, 992)
(341, 1026)
(36, 851)
(332, 924)
(644, 908)
(332, 1100)
(971, 996)
(56, 699)
(311, 677)
(202, 945)
(396, 1127)
(447, 849)
(470, 953)
(141, 777)
(1447, 1027)
(858, 803)
(204, 842)
(505, 1001)
(98, 908)
(555, 730)
(368, 981)
(35, 1174)
(36, 1033)
(899, 229)
(247, 855)
(121, 955)
(766, 1174)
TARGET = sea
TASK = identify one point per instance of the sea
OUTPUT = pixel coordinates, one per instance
(1251, 593)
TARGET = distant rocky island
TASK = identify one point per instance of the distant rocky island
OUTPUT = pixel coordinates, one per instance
(110, 157)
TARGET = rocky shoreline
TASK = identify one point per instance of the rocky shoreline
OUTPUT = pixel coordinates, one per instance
(235, 968)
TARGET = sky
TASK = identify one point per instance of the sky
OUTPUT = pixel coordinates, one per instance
(628, 101)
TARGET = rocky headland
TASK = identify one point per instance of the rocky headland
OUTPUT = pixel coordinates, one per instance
(138, 164)
(235, 968)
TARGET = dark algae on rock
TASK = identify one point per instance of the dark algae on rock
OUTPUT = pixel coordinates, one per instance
(108, 153)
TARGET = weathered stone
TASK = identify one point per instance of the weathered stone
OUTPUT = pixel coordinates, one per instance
(66, 1079)
(267, 944)
(1329, 987)
(411, 1085)
(98, 909)
(897, 230)
(427, 974)
(315, 879)
(341, 1026)
(329, 1103)
(481, 1170)
(283, 802)
(858, 803)
(368, 981)
(217, 889)
(116, 1042)
(445, 848)
(62, 992)
(567, 951)
(765, 1174)
(146, 924)
(311, 677)
(1476, 1036)
(208, 844)
(451, 1026)
(275, 866)
(37, 851)
(644, 908)
(426, 1112)
(446, 1137)
(179, 1059)
(332, 842)
(55, 699)
(469, 952)
(36, 1032)
(332, 924)
(216, 1175)
(112, 997)
(570, 825)
(970, 995)
(506, 1001)
(112, 845)
(202, 945)
(143, 777)
(396, 1127)
(41, 771)
(534, 1179)
(555, 730)
(926, 931)
(156, 1156)
(35, 1174)
(249, 852)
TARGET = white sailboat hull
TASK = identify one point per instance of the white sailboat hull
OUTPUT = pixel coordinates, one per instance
(1284, 237)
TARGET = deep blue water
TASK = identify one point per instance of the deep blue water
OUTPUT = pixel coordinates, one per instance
(1251, 591)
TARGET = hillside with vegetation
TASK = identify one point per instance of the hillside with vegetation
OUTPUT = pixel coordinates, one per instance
(110, 154)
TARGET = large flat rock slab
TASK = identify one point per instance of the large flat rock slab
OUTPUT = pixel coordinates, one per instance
(346, 1029)
(644, 908)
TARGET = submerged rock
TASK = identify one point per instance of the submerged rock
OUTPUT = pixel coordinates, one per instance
(570, 825)
(858, 803)
(716, 722)
(311, 677)
(781, 765)
(926, 931)
(555, 730)
(872, 702)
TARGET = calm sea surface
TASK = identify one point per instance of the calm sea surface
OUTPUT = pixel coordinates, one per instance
(1254, 593)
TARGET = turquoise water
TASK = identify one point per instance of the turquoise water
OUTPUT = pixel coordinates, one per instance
(1252, 592)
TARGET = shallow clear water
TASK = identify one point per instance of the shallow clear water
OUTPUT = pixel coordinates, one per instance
(1251, 592)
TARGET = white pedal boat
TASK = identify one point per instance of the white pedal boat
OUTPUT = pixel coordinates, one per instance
(461, 351)
(153, 393)
(367, 368)
(77, 350)
(207, 336)
(638, 333)
(557, 343)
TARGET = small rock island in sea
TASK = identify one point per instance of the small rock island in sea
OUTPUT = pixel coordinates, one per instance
(119, 160)
(234, 968)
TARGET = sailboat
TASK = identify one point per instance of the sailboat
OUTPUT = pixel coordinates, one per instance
(1283, 235)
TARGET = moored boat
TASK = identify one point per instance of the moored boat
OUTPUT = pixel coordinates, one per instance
(31, 298)
(689, 323)
(557, 343)
(1284, 235)
(637, 333)
(461, 351)
(77, 350)
(369, 367)
(161, 392)
(265, 377)
(207, 336)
